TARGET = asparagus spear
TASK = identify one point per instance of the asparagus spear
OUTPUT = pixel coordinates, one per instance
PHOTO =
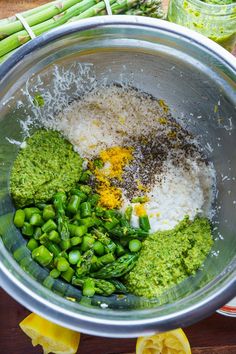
(138, 8)
(102, 261)
(110, 246)
(119, 286)
(59, 202)
(102, 287)
(21, 37)
(118, 268)
(116, 6)
(82, 9)
(151, 8)
(88, 287)
(35, 18)
(85, 264)
(92, 11)
(128, 233)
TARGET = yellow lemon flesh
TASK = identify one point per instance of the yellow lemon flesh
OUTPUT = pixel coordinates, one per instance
(53, 338)
(172, 342)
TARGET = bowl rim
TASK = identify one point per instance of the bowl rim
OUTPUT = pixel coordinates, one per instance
(87, 323)
(96, 22)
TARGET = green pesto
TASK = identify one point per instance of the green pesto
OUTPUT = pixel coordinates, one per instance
(45, 165)
(219, 2)
(168, 257)
(212, 18)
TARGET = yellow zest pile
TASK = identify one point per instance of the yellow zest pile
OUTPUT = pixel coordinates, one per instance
(114, 160)
(140, 210)
(110, 196)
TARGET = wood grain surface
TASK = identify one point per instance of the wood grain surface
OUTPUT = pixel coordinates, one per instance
(215, 335)
(11, 7)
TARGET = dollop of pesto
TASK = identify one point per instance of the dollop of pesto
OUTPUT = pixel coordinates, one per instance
(168, 257)
(47, 163)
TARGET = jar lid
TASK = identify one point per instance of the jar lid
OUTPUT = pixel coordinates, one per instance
(229, 309)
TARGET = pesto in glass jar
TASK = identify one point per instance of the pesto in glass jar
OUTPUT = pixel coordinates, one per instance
(215, 19)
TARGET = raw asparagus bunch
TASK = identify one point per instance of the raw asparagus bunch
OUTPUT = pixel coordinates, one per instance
(151, 8)
(56, 13)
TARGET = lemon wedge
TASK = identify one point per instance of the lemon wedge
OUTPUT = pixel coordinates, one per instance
(172, 342)
(53, 338)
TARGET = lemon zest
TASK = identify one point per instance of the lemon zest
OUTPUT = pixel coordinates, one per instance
(164, 106)
(96, 122)
(140, 210)
(162, 120)
(117, 157)
(114, 160)
(70, 298)
(122, 120)
(92, 146)
(110, 196)
(141, 187)
(171, 134)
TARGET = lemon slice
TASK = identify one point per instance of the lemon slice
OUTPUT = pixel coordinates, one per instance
(172, 342)
(53, 338)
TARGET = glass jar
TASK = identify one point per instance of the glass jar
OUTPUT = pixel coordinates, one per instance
(214, 20)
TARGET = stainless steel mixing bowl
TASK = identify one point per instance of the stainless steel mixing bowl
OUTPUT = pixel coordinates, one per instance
(197, 79)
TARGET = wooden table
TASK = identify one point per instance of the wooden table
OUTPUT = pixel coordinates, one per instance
(215, 335)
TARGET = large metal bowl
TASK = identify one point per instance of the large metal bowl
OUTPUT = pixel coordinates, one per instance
(197, 79)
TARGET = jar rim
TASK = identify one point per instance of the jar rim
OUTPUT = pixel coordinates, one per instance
(206, 5)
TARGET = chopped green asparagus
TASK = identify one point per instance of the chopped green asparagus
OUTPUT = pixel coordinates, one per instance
(59, 201)
(118, 268)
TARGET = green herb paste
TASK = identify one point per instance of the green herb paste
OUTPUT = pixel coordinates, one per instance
(45, 165)
(168, 257)
(215, 19)
(219, 2)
